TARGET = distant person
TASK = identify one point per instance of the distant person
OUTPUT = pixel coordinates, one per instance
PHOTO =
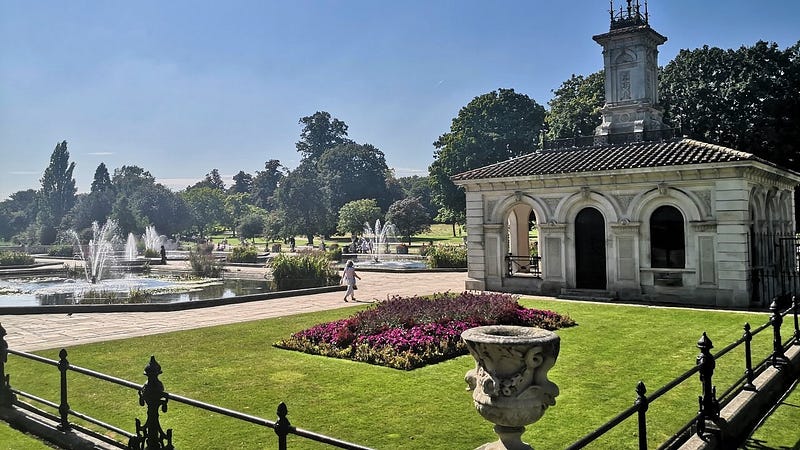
(163, 255)
(349, 278)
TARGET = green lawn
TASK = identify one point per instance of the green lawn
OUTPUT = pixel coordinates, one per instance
(440, 234)
(235, 366)
(772, 434)
(11, 439)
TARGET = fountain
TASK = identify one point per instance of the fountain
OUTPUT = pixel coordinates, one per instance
(130, 248)
(376, 238)
(152, 240)
(100, 250)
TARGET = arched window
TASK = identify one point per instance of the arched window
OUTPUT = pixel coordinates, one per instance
(667, 243)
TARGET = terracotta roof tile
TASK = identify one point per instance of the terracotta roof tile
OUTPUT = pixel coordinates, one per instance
(636, 155)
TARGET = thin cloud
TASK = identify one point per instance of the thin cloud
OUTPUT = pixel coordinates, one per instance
(23, 172)
(100, 153)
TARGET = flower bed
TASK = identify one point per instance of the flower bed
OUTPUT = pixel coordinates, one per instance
(410, 332)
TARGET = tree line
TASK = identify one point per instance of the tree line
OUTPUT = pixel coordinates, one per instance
(747, 99)
(337, 187)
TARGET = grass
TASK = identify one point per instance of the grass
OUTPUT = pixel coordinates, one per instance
(11, 439)
(771, 434)
(235, 366)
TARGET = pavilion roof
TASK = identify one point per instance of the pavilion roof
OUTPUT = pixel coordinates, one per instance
(610, 157)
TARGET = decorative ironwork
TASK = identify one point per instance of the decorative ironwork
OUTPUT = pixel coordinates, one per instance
(6, 395)
(774, 267)
(778, 357)
(748, 362)
(796, 309)
(709, 405)
(282, 426)
(666, 134)
(63, 407)
(629, 17)
(642, 405)
(151, 436)
(527, 265)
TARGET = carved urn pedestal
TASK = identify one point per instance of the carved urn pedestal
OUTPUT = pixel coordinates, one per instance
(509, 382)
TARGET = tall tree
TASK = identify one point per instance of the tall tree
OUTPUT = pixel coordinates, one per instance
(492, 127)
(303, 208)
(353, 215)
(242, 183)
(352, 172)
(127, 179)
(206, 207)
(102, 180)
(265, 182)
(409, 217)
(320, 133)
(18, 212)
(212, 180)
(57, 195)
(747, 99)
(575, 106)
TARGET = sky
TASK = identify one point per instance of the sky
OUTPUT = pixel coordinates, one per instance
(182, 87)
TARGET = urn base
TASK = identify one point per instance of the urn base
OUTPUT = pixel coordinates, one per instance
(510, 439)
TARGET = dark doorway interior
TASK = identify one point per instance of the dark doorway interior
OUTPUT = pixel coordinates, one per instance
(590, 250)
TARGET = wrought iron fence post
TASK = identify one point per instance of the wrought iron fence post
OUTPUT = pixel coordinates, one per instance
(63, 408)
(748, 359)
(796, 329)
(778, 357)
(642, 403)
(6, 396)
(151, 436)
(282, 426)
(709, 406)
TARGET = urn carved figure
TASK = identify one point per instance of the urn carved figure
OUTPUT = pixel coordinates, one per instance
(509, 382)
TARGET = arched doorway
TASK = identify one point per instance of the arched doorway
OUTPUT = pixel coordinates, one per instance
(590, 250)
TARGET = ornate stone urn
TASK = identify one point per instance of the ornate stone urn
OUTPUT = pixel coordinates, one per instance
(509, 382)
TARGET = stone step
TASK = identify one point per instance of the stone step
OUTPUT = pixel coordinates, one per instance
(600, 295)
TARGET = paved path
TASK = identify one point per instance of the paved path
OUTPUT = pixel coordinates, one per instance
(44, 331)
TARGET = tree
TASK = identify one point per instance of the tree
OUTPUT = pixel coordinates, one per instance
(125, 217)
(493, 127)
(17, 213)
(206, 207)
(236, 207)
(320, 133)
(303, 208)
(101, 181)
(128, 179)
(420, 187)
(409, 217)
(352, 172)
(212, 180)
(251, 226)
(747, 99)
(242, 183)
(57, 195)
(575, 106)
(265, 182)
(354, 214)
(158, 206)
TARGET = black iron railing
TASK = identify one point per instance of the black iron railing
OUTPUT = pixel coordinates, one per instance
(149, 435)
(527, 265)
(709, 402)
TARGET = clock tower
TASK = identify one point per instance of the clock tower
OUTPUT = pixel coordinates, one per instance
(630, 55)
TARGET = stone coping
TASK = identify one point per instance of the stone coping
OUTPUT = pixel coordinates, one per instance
(162, 307)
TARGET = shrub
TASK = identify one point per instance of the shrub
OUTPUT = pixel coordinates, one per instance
(410, 332)
(334, 252)
(308, 269)
(63, 250)
(203, 262)
(243, 255)
(441, 256)
(150, 253)
(401, 249)
(15, 259)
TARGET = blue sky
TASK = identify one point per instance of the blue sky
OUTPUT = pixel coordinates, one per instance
(181, 87)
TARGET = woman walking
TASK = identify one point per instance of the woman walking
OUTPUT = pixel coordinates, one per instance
(349, 277)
